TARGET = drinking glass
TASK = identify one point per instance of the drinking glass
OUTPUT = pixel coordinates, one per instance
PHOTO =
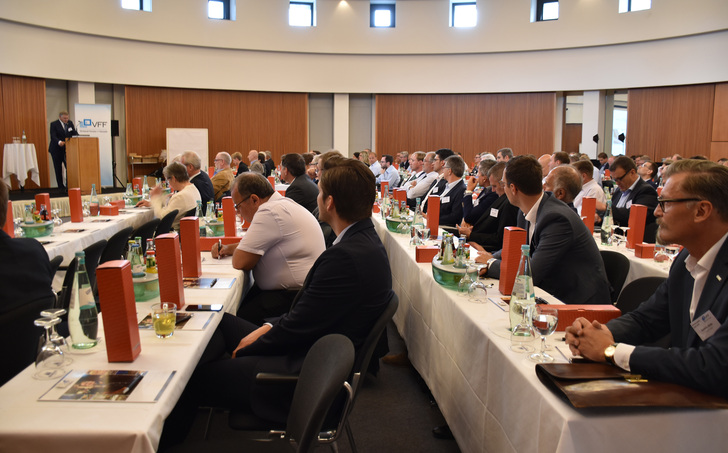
(164, 317)
(57, 339)
(661, 256)
(544, 321)
(86, 208)
(522, 334)
(424, 233)
(671, 251)
(467, 280)
(19, 233)
(49, 362)
(57, 221)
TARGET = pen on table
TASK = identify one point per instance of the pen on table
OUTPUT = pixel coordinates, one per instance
(562, 354)
(132, 384)
(219, 248)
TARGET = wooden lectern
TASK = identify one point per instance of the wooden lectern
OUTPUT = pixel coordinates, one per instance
(82, 163)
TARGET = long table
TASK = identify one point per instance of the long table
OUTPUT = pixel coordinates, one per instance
(491, 397)
(29, 425)
(638, 267)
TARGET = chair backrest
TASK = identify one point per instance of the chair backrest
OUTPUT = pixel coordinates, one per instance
(145, 231)
(637, 292)
(617, 267)
(55, 264)
(64, 296)
(92, 256)
(191, 212)
(323, 375)
(165, 224)
(116, 245)
(18, 332)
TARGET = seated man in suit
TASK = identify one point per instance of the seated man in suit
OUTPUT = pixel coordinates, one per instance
(334, 299)
(301, 189)
(238, 164)
(691, 306)
(25, 278)
(564, 257)
(201, 180)
(453, 189)
(280, 246)
(564, 183)
(473, 209)
(632, 190)
(422, 178)
(487, 233)
(223, 178)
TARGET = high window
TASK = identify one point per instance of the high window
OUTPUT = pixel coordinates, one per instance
(301, 14)
(547, 10)
(138, 5)
(463, 14)
(626, 6)
(221, 9)
(381, 15)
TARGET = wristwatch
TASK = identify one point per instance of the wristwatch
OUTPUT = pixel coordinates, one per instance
(488, 263)
(609, 353)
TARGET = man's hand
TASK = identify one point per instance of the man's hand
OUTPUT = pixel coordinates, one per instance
(219, 250)
(143, 203)
(472, 182)
(588, 339)
(465, 229)
(251, 338)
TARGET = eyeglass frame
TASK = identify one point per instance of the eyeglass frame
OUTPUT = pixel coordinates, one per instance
(622, 177)
(661, 201)
(237, 205)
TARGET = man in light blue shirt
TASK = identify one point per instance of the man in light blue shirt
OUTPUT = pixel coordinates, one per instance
(388, 172)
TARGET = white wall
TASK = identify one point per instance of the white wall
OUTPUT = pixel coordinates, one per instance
(591, 46)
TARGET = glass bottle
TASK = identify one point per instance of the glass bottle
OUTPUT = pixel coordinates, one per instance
(134, 257)
(28, 217)
(94, 201)
(447, 252)
(83, 319)
(24, 139)
(150, 245)
(145, 190)
(523, 296)
(151, 261)
(607, 222)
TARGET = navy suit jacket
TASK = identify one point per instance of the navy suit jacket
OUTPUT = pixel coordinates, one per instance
(488, 230)
(689, 361)
(472, 214)
(304, 192)
(334, 299)
(58, 133)
(643, 194)
(451, 205)
(204, 185)
(25, 273)
(564, 257)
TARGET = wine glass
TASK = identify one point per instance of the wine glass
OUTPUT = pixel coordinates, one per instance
(522, 334)
(49, 362)
(86, 208)
(544, 321)
(467, 280)
(57, 339)
(671, 251)
(424, 233)
(477, 291)
(19, 233)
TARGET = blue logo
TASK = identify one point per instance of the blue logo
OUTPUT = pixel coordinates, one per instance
(87, 122)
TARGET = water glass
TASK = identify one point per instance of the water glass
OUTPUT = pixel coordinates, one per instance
(544, 321)
(164, 318)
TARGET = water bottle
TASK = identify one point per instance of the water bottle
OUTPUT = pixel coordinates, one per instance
(83, 321)
(523, 297)
(94, 201)
(607, 222)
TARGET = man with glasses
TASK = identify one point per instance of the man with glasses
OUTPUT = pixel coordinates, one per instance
(280, 246)
(691, 306)
(632, 190)
(419, 185)
(301, 189)
(223, 177)
(451, 196)
(438, 184)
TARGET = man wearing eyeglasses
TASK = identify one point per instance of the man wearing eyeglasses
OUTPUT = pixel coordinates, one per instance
(282, 243)
(223, 177)
(691, 306)
(632, 190)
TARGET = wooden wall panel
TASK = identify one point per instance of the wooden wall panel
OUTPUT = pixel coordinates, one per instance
(466, 123)
(237, 121)
(720, 113)
(571, 138)
(671, 120)
(23, 106)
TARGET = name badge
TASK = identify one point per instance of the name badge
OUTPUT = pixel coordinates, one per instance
(493, 212)
(476, 201)
(628, 204)
(445, 200)
(435, 190)
(705, 325)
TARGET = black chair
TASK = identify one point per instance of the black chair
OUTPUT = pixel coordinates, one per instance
(617, 267)
(165, 224)
(323, 375)
(637, 292)
(339, 416)
(145, 232)
(190, 213)
(91, 259)
(116, 245)
(55, 264)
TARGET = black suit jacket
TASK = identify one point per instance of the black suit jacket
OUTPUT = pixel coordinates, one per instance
(204, 185)
(643, 194)
(488, 230)
(689, 361)
(25, 273)
(472, 214)
(242, 167)
(564, 256)
(451, 205)
(334, 299)
(58, 133)
(304, 192)
(269, 167)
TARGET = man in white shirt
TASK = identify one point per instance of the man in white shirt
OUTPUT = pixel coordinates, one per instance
(282, 243)
(589, 187)
(691, 306)
(374, 165)
(418, 187)
(388, 172)
(415, 169)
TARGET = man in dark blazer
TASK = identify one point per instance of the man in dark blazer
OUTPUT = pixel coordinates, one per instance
(451, 196)
(334, 299)
(691, 306)
(473, 210)
(61, 130)
(200, 179)
(487, 233)
(301, 189)
(25, 279)
(632, 190)
(564, 257)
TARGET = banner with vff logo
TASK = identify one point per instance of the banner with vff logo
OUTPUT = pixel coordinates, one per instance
(95, 120)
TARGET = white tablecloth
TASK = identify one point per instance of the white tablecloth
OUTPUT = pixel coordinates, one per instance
(491, 397)
(638, 267)
(19, 159)
(29, 425)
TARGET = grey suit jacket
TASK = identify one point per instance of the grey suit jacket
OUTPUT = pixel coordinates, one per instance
(564, 257)
(689, 361)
